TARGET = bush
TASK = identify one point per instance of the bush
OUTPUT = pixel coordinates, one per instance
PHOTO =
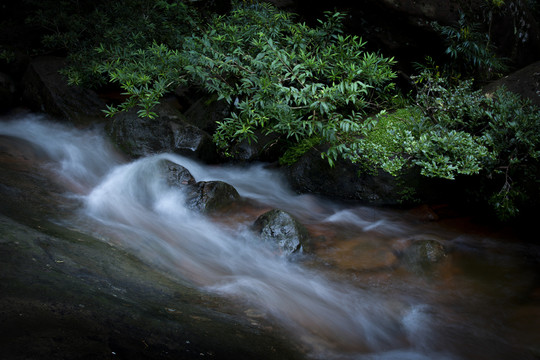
(470, 49)
(286, 78)
(279, 76)
(503, 137)
(101, 32)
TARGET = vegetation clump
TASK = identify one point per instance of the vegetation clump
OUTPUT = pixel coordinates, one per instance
(313, 85)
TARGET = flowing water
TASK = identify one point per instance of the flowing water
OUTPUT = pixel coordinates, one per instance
(349, 296)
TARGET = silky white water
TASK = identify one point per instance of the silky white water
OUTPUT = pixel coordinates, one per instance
(332, 315)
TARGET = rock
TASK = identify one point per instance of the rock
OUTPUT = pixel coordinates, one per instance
(268, 148)
(524, 82)
(45, 89)
(348, 181)
(167, 133)
(279, 227)
(206, 111)
(189, 140)
(207, 196)
(177, 175)
(202, 196)
(421, 252)
(343, 181)
(138, 137)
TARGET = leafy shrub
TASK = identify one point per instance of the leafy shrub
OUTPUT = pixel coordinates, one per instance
(117, 29)
(286, 78)
(279, 77)
(470, 48)
(504, 137)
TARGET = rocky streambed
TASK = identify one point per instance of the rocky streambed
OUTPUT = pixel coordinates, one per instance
(68, 295)
(104, 257)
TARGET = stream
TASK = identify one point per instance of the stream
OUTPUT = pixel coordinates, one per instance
(348, 296)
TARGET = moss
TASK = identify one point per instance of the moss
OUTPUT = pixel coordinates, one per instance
(389, 124)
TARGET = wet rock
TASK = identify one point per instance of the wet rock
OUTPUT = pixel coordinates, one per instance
(279, 227)
(207, 196)
(342, 181)
(138, 137)
(206, 112)
(71, 296)
(191, 141)
(202, 196)
(45, 89)
(268, 148)
(166, 133)
(348, 181)
(177, 175)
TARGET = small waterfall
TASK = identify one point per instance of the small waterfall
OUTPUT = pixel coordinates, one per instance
(134, 200)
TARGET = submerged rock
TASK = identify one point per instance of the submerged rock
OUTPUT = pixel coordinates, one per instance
(279, 227)
(207, 196)
(422, 252)
(202, 196)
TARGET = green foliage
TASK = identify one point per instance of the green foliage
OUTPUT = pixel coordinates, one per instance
(513, 134)
(499, 136)
(452, 130)
(408, 138)
(286, 78)
(117, 29)
(309, 86)
(293, 153)
(145, 75)
(470, 49)
(6, 55)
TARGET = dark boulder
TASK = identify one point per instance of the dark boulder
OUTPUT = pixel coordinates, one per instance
(45, 89)
(206, 111)
(524, 82)
(311, 174)
(208, 196)
(138, 137)
(202, 196)
(348, 181)
(177, 175)
(167, 133)
(280, 228)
